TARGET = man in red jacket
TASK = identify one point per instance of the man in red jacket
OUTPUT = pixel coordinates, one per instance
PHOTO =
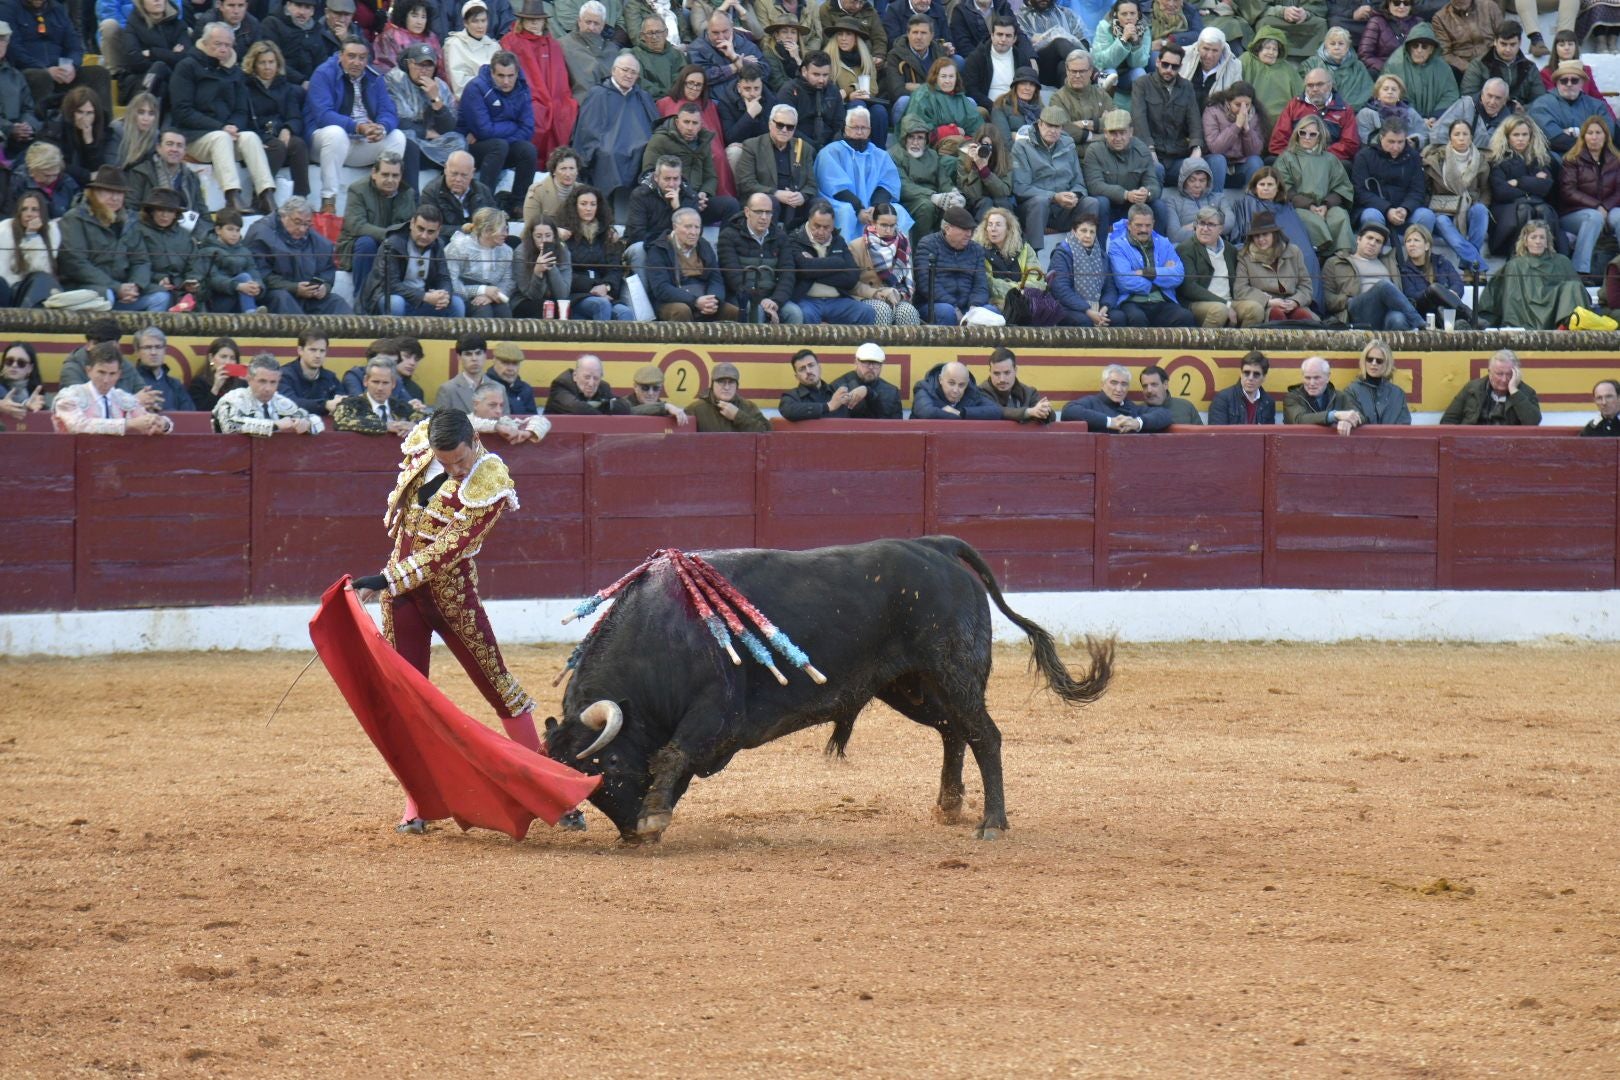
(1320, 99)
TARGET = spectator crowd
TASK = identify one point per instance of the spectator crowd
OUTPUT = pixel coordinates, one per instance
(102, 393)
(1198, 163)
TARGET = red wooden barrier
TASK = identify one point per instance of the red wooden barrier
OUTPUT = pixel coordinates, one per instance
(37, 508)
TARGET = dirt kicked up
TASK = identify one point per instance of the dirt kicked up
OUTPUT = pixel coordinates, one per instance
(1244, 861)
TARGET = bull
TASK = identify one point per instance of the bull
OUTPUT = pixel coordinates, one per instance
(654, 702)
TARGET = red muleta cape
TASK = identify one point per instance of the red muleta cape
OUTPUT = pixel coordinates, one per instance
(453, 766)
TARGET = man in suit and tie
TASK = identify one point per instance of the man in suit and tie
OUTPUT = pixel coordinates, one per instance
(377, 411)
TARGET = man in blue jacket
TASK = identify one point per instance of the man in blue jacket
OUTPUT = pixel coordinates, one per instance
(49, 52)
(1112, 411)
(948, 392)
(349, 119)
(951, 281)
(497, 116)
(1147, 271)
(295, 262)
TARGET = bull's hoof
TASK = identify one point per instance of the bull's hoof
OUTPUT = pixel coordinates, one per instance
(988, 832)
(652, 826)
(948, 813)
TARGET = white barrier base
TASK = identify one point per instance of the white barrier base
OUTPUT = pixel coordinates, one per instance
(1301, 615)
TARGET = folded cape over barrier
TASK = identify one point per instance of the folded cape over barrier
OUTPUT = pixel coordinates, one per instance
(453, 766)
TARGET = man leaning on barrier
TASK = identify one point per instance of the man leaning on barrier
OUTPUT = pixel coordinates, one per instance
(1112, 411)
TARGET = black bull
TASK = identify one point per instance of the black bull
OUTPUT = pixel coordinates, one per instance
(900, 620)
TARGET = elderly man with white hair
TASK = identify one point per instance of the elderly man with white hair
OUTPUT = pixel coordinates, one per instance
(1111, 411)
(490, 417)
(207, 101)
(1210, 66)
(589, 48)
(781, 164)
(722, 52)
(1500, 397)
(616, 120)
(854, 176)
(1314, 400)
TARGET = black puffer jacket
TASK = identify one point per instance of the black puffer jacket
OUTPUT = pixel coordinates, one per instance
(205, 95)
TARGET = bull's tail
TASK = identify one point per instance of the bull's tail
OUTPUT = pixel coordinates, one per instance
(1044, 655)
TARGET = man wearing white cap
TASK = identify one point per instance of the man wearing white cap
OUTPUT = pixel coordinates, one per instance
(869, 397)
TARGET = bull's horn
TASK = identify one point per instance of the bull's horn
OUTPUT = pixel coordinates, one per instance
(604, 716)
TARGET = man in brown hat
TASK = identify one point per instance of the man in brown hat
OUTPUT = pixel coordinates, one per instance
(722, 408)
(646, 397)
(99, 251)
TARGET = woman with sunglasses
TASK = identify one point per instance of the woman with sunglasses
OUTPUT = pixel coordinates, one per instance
(1386, 31)
(1374, 393)
(21, 389)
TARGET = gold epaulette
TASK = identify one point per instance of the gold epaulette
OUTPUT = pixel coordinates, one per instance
(417, 440)
(487, 484)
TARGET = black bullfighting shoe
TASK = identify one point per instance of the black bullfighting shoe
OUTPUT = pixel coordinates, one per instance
(415, 827)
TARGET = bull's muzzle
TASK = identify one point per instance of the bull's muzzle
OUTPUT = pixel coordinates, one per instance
(602, 716)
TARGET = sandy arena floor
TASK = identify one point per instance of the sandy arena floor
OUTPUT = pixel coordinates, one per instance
(1245, 861)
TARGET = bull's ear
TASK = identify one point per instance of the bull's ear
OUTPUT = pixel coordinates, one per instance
(551, 724)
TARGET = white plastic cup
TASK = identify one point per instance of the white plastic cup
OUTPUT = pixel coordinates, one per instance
(1448, 319)
(562, 308)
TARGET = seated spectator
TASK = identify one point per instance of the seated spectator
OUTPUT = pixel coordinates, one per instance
(1389, 183)
(1458, 176)
(29, 244)
(1156, 394)
(76, 368)
(407, 26)
(752, 252)
(506, 361)
(409, 359)
(1387, 30)
(1165, 110)
(1078, 276)
(171, 256)
(1589, 190)
(1019, 107)
(1504, 61)
(927, 181)
(1052, 191)
(596, 257)
(331, 128)
(305, 381)
(151, 350)
(722, 408)
(295, 262)
(1321, 101)
(276, 108)
(684, 138)
(779, 164)
(49, 52)
(983, 172)
(1361, 287)
(1010, 263)
(616, 121)
(1522, 182)
(98, 407)
(1314, 402)
(655, 200)
(338, 26)
(1464, 29)
(1209, 64)
(722, 52)
(100, 251)
(1430, 82)
(1245, 401)
(1271, 274)
(1389, 103)
(19, 119)
(469, 50)
(376, 206)
(208, 103)
(1483, 111)
(942, 106)
(868, 396)
(1566, 46)
(1054, 32)
(692, 88)
(43, 171)
(1538, 289)
(914, 50)
(165, 167)
(583, 392)
(1374, 394)
(1147, 271)
(21, 389)
(258, 410)
(137, 130)
(1276, 82)
(142, 51)
(818, 273)
(1232, 133)
(223, 370)
(952, 287)
(544, 272)
(1119, 171)
(411, 275)
(497, 118)
(1017, 401)
(457, 193)
(230, 274)
(541, 60)
(545, 199)
(990, 68)
(744, 105)
(81, 132)
(375, 411)
(970, 24)
(683, 274)
(386, 349)
(815, 97)
(659, 58)
(1120, 46)
(1351, 79)
(297, 33)
(243, 25)
(1499, 398)
(1210, 287)
(856, 175)
(456, 392)
(425, 105)
(489, 417)
(1191, 194)
(482, 272)
(1111, 411)
(948, 392)
(1429, 279)
(1319, 186)
(811, 398)
(1606, 396)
